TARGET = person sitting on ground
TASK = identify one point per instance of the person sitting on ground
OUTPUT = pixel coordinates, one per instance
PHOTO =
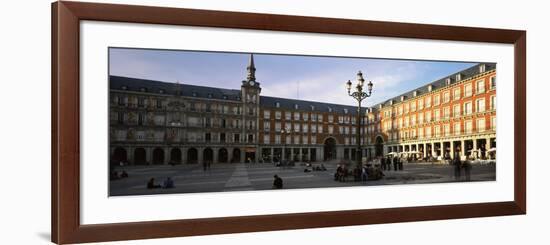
(323, 168)
(278, 182)
(151, 184)
(124, 174)
(168, 183)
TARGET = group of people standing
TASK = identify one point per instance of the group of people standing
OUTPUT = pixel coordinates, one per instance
(459, 166)
(388, 161)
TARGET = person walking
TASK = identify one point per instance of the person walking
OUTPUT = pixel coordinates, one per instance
(457, 167)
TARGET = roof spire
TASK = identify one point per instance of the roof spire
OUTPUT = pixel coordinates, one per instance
(251, 69)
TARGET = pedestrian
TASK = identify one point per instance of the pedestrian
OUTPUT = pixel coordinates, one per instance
(277, 182)
(467, 168)
(457, 167)
(364, 174)
(395, 163)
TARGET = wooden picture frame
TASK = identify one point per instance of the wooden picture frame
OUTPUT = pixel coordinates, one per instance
(65, 174)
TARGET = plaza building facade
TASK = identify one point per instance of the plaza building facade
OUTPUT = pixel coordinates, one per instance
(453, 116)
(154, 122)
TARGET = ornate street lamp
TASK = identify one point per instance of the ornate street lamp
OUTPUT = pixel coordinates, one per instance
(359, 95)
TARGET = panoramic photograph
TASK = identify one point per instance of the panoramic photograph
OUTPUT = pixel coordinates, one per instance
(184, 121)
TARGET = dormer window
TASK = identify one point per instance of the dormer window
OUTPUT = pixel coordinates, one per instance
(402, 98)
(458, 77)
(143, 90)
(391, 102)
(210, 96)
(161, 91)
(448, 81)
(225, 97)
(277, 104)
(415, 93)
(329, 109)
(312, 108)
(296, 106)
(194, 94)
(482, 68)
(430, 88)
(124, 88)
(345, 111)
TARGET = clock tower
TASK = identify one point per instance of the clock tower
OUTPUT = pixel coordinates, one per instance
(250, 98)
(250, 89)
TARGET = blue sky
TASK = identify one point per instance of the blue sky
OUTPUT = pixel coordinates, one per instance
(289, 76)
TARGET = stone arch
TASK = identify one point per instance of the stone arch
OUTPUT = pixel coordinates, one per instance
(140, 156)
(158, 156)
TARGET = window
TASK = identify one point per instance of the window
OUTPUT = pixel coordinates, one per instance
(304, 139)
(141, 118)
(428, 132)
(267, 126)
(222, 137)
(313, 139)
(447, 129)
(296, 116)
(456, 129)
(277, 104)
(493, 102)
(266, 138)
(207, 137)
(467, 108)
(120, 118)
(277, 126)
(421, 118)
(436, 115)
(305, 116)
(456, 110)
(436, 99)
(120, 100)
(400, 110)
(296, 139)
(468, 127)
(314, 128)
(141, 102)
(413, 106)
(493, 82)
(330, 129)
(468, 90)
(305, 128)
(421, 104)
(437, 131)
(330, 118)
(288, 115)
(493, 123)
(296, 127)
(480, 86)
(480, 125)
(413, 120)
(456, 94)
(320, 128)
(278, 139)
(446, 97)
(236, 138)
(250, 138)
(446, 112)
(277, 115)
(428, 116)
(480, 105)
(320, 118)
(428, 101)
(266, 114)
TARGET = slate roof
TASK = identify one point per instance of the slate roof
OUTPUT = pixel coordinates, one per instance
(151, 86)
(437, 84)
(304, 105)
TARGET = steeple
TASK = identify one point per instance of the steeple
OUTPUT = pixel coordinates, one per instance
(251, 69)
